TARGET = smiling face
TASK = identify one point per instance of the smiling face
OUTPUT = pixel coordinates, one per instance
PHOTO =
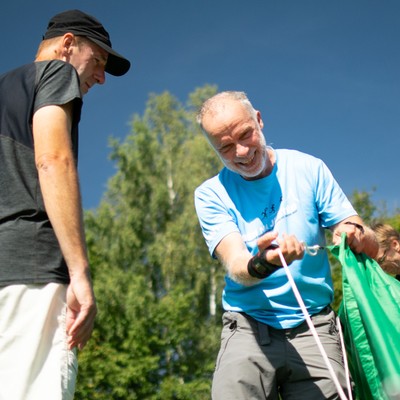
(235, 132)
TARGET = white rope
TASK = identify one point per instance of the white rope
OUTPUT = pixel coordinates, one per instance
(346, 364)
(312, 250)
(311, 326)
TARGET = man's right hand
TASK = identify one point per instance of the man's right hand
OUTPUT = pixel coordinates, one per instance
(290, 247)
(81, 310)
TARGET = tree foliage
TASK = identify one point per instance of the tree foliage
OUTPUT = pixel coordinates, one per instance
(156, 334)
(158, 290)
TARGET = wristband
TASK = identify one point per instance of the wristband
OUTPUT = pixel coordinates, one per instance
(258, 267)
(358, 226)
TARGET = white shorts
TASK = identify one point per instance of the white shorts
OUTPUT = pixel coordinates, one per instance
(35, 363)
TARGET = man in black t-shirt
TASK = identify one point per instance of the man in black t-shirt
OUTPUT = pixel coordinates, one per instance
(47, 304)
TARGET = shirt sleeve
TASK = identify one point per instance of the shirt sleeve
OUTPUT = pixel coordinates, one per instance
(333, 205)
(216, 221)
(57, 84)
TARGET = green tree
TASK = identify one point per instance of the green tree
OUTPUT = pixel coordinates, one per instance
(156, 335)
(363, 204)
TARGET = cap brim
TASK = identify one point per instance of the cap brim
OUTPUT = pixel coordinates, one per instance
(117, 65)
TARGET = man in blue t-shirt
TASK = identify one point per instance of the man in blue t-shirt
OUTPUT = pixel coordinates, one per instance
(47, 304)
(264, 202)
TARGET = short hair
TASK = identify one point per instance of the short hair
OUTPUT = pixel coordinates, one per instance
(46, 45)
(216, 102)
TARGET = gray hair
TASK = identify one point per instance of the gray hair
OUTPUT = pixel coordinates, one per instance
(216, 102)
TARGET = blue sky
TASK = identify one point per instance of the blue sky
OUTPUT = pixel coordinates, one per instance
(323, 73)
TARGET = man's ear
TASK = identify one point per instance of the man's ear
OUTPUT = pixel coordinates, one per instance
(259, 119)
(67, 44)
(395, 245)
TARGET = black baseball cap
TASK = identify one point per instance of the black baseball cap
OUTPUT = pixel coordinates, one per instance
(82, 24)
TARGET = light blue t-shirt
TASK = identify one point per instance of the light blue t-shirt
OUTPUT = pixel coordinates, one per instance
(300, 197)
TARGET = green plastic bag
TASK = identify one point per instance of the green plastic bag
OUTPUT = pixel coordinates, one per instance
(370, 317)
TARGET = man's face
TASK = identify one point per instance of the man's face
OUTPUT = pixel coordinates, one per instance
(235, 133)
(89, 60)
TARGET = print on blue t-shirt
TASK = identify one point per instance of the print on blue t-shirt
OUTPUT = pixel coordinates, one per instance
(300, 197)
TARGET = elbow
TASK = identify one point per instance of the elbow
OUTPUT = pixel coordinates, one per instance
(47, 163)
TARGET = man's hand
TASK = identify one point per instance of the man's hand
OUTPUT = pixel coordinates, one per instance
(81, 311)
(290, 247)
(360, 238)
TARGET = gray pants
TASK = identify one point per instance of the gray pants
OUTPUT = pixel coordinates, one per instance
(257, 362)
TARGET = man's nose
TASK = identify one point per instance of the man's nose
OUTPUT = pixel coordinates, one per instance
(241, 151)
(100, 76)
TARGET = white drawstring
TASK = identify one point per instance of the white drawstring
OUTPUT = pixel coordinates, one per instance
(312, 251)
(309, 322)
(346, 364)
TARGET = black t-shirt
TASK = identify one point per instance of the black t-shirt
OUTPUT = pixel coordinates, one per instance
(29, 250)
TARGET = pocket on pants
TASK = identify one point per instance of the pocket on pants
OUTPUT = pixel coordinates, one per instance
(228, 331)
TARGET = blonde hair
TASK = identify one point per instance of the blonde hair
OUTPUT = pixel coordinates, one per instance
(385, 234)
(49, 48)
(46, 49)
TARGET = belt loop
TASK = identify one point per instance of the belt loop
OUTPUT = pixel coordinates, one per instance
(263, 334)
